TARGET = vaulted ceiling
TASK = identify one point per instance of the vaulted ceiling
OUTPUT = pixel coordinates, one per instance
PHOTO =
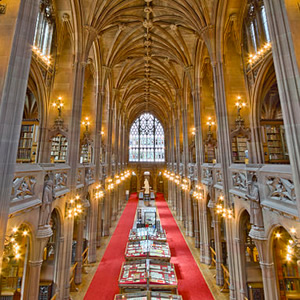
(146, 48)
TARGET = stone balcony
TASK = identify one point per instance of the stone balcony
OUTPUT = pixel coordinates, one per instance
(28, 183)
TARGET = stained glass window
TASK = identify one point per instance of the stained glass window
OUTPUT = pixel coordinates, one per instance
(146, 140)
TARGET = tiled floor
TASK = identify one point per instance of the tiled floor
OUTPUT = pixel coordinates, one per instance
(207, 273)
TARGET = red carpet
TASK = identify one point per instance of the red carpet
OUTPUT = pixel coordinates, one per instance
(191, 284)
(104, 285)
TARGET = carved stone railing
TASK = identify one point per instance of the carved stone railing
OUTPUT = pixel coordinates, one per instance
(275, 182)
(212, 175)
(192, 171)
(207, 174)
(28, 184)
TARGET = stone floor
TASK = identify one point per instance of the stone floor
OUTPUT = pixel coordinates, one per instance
(207, 273)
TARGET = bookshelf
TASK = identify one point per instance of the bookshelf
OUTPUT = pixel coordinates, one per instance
(59, 149)
(27, 143)
(274, 143)
(209, 152)
(86, 153)
(239, 149)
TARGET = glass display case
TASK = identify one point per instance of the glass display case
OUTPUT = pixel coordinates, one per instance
(148, 296)
(149, 249)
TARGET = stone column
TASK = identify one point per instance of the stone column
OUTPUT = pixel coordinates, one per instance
(288, 81)
(17, 33)
(269, 280)
(218, 250)
(98, 136)
(241, 280)
(179, 206)
(93, 219)
(99, 223)
(33, 279)
(196, 224)
(205, 238)
(73, 159)
(109, 197)
(79, 248)
(198, 132)
(188, 209)
(267, 269)
(225, 156)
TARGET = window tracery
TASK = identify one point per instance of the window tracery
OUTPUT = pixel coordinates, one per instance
(256, 26)
(146, 140)
(44, 28)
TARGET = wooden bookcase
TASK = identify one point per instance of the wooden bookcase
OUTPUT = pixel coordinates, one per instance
(210, 152)
(239, 148)
(28, 142)
(274, 142)
(59, 149)
(86, 153)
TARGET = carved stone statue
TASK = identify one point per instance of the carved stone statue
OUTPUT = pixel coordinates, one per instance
(46, 207)
(146, 186)
(256, 217)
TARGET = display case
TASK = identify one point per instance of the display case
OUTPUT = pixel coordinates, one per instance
(59, 149)
(148, 274)
(27, 148)
(147, 296)
(148, 249)
(146, 217)
(147, 233)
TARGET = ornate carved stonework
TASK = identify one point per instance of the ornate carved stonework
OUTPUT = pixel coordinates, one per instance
(219, 177)
(23, 187)
(60, 180)
(239, 180)
(281, 189)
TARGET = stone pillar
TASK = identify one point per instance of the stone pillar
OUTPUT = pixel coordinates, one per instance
(241, 280)
(93, 219)
(79, 248)
(17, 33)
(109, 197)
(33, 279)
(269, 280)
(205, 238)
(98, 136)
(218, 250)
(78, 84)
(99, 222)
(196, 224)
(179, 206)
(198, 132)
(267, 269)
(225, 156)
(288, 81)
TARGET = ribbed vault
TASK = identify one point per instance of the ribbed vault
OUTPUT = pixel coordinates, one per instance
(147, 46)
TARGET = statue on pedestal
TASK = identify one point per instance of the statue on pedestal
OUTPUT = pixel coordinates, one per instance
(46, 208)
(256, 217)
(146, 186)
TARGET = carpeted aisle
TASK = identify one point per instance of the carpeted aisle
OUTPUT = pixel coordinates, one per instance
(104, 285)
(191, 284)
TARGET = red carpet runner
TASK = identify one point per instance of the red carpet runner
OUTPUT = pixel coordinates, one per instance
(191, 284)
(104, 285)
